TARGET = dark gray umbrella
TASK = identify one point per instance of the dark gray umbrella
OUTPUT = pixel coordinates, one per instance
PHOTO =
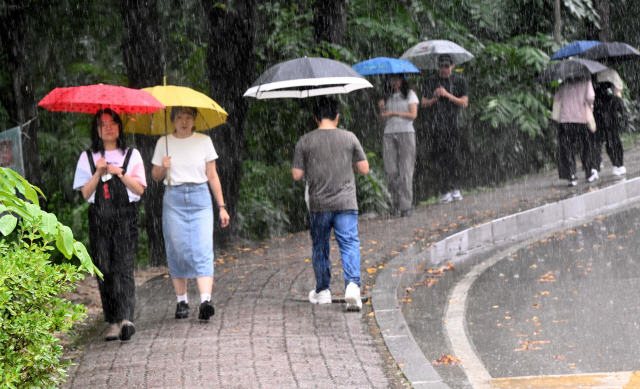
(306, 77)
(611, 52)
(570, 69)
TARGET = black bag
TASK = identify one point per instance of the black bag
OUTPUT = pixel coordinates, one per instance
(112, 194)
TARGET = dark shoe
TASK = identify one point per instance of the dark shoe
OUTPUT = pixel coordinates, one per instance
(573, 181)
(206, 310)
(405, 213)
(182, 310)
(394, 212)
(127, 330)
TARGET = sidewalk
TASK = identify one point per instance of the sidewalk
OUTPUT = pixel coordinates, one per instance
(266, 335)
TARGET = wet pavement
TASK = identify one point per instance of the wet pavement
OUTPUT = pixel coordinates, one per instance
(564, 305)
(266, 335)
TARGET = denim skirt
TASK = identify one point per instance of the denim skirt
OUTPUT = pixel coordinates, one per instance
(187, 225)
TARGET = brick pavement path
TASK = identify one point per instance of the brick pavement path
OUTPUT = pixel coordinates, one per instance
(265, 334)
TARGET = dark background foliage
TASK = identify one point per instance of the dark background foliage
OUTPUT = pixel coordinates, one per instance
(507, 128)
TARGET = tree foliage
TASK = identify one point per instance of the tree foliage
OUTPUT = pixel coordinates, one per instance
(507, 130)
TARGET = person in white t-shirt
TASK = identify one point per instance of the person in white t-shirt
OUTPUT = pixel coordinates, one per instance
(398, 110)
(186, 162)
(111, 178)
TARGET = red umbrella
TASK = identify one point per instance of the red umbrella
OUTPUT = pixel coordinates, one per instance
(92, 98)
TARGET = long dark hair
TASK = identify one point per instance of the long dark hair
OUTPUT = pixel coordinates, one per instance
(405, 87)
(96, 142)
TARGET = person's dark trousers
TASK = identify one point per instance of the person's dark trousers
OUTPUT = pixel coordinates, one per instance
(445, 145)
(570, 136)
(613, 145)
(113, 245)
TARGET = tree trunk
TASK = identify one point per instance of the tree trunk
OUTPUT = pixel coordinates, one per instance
(231, 61)
(604, 11)
(144, 61)
(23, 108)
(329, 22)
(557, 21)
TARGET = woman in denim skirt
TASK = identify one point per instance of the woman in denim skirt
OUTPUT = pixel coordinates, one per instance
(189, 172)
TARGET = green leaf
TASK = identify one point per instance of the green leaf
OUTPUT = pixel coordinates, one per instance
(85, 259)
(64, 240)
(8, 224)
(49, 223)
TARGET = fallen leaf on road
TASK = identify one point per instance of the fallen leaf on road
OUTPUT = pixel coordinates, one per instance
(547, 277)
(446, 360)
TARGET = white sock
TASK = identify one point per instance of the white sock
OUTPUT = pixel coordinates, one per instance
(183, 297)
(205, 297)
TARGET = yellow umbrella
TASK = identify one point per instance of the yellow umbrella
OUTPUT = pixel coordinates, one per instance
(210, 114)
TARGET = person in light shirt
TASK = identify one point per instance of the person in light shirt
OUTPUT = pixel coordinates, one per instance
(111, 178)
(189, 171)
(398, 110)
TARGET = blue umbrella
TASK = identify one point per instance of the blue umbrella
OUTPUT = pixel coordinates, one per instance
(384, 65)
(574, 48)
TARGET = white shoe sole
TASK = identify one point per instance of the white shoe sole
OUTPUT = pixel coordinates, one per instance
(314, 300)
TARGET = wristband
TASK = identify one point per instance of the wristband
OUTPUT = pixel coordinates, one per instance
(222, 206)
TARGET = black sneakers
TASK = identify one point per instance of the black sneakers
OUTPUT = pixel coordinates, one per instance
(127, 330)
(182, 310)
(206, 310)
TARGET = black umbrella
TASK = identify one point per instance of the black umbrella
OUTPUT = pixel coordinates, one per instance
(306, 77)
(611, 52)
(570, 69)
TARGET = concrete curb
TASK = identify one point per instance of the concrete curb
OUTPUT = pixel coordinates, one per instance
(471, 242)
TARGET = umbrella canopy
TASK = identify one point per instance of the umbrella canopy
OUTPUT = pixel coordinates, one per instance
(306, 77)
(92, 98)
(384, 65)
(612, 52)
(570, 69)
(425, 54)
(210, 114)
(573, 48)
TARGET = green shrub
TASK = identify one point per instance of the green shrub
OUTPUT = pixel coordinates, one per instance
(31, 313)
(271, 203)
(373, 195)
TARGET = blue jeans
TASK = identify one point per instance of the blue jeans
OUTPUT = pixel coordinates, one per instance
(345, 226)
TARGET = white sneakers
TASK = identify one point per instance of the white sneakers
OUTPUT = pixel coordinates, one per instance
(594, 175)
(618, 170)
(352, 297)
(451, 196)
(323, 297)
(446, 198)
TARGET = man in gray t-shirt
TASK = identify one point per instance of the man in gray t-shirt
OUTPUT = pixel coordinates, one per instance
(327, 157)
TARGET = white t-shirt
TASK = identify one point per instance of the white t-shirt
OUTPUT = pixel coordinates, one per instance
(397, 103)
(135, 169)
(189, 157)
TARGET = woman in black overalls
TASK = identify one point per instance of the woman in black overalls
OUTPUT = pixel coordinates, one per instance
(111, 177)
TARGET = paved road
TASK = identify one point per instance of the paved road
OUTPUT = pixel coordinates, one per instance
(266, 335)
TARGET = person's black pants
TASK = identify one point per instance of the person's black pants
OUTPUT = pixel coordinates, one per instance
(113, 245)
(445, 145)
(570, 137)
(611, 138)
